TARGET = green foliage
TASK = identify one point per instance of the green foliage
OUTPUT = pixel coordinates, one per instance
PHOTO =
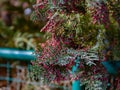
(83, 33)
(78, 29)
(16, 28)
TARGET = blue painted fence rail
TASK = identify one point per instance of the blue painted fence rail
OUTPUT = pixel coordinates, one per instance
(27, 55)
(11, 53)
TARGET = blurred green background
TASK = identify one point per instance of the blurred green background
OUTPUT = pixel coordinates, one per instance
(17, 30)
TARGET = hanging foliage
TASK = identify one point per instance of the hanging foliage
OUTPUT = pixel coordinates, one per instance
(88, 29)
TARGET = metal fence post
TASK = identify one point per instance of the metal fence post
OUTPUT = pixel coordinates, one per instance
(76, 83)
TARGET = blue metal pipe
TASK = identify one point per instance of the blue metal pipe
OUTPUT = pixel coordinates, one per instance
(76, 83)
(11, 53)
(109, 67)
(112, 67)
